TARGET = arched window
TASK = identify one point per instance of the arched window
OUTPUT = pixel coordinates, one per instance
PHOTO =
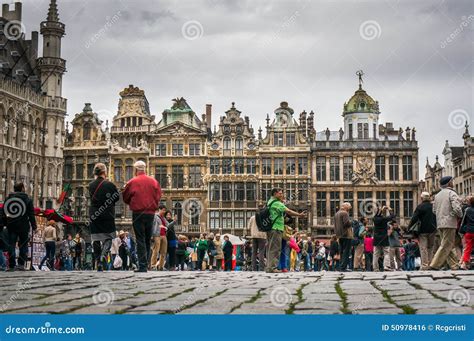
(239, 143)
(86, 132)
(227, 145)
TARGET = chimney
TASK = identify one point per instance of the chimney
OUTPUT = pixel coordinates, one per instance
(208, 114)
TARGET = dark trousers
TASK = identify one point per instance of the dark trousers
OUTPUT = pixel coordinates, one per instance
(22, 238)
(77, 261)
(345, 246)
(228, 264)
(171, 257)
(274, 238)
(124, 254)
(101, 250)
(143, 227)
(201, 254)
(180, 261)
(49, 256)
(258, 250)
(369, 258)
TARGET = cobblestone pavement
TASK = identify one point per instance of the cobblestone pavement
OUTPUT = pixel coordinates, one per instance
(114, 292)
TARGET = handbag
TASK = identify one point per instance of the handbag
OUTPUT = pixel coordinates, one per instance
(118, 262)
(337, 257)
(415, 228)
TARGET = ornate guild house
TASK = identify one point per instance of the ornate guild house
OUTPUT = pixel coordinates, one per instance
(215, 180)
(32, 109)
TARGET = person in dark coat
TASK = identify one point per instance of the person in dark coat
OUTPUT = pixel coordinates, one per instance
(172, 240)
(103, 195)
(427, 233)
(381, 243)
(228, 249)
(20, 218)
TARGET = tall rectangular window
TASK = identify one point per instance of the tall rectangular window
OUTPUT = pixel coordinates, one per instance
(215, 166)
(290, 139)
(194, 149)
(79, 168)
(407, 204)
(407, 167)
(178, 211)
(239, 219)
(302, 166)
(239, 191)
(239, 166)
(290, 192)
(266, 166)
(380, 167)
(366, 131)
(160, 176)
(348, 168)
(278, 166)
(381, 198)
(160, 149)
(374, 130)
(359, 130)
(214, 220)
(321, 204)
(195, 176)
(226, 219)
(351, 135)
(226, 166)
(226, 191)
(393, 168)
(68, 168)
(118, 174)
(251, 166)
(178, 177)
(321, 168)
(290, 166)
(334, 202)
(215, 191)
(278, 139)
(364, 203)
(177, 149)
(266, 191)
(334, 169)
(395, 202)
(251, 191)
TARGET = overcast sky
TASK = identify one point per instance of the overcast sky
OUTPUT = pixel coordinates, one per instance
(417, 57)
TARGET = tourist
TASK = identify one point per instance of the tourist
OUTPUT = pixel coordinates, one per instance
(309, 258)
(358, 243)
(181, 250)
(123, 251)
(368, 249)
(394, 235)
(334, 254)
(201, 248)
(67, 248)
(285, 247)
(426, 219)
(259, 242)
(305, 254)
(321, 257)
(274, 236)
(409, 248)
(142, 193)
(160, 243)
(344, 233)
(103, 196)
(49, 239)
(211, 250)
(20, 219)
(467, 227)
(220, 252)
(447, 207)
(79, 247)
(381, 243)
(171, 239)
(228, 249)
(114, 248)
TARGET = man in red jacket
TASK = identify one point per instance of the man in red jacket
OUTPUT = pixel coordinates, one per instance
(142, 194)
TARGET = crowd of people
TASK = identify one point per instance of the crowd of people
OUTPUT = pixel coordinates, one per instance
(439, 236)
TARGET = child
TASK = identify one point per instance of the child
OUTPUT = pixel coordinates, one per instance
(228, 249)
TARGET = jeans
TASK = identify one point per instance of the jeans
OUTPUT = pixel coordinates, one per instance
(345, 246)
(410, 263)
(3, 262)
(369, 258)
(22, 238)
(283, 264)
(180, 261)
(172, 258)
(49, 256)
(201, 254)
(143, 227)
(307, 265)
(68, 263)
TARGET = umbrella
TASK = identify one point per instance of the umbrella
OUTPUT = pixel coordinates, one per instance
(234, 239)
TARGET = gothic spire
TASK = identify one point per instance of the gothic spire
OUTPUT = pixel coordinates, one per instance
(53, 14)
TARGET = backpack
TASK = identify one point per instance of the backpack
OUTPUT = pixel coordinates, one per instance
(263, 218)
(355, 230)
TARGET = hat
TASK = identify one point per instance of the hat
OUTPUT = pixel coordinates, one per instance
(140, 165)
(445, 180)
(121, 232)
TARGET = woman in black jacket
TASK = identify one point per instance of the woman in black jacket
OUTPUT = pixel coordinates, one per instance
(104, 195)
(426, 235)
(381, 244)
(172, 240)
(228, 249)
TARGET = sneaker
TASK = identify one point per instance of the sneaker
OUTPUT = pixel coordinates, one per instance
(284, 270)
(10, 269)
(140, 270)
